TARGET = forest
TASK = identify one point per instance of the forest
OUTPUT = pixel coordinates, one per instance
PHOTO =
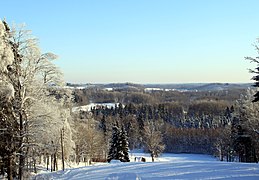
(38, 124)
(191, 122)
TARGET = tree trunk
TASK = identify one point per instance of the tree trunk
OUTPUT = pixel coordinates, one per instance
(51, 162)
(77, 154)
(228, 156)
(56, 162)
(152, 156)
(40, 159)
(9, 168)
(220, 153)
(34, 165)
(2, 169)
(62, 149)
(21, 153)
(47, 162)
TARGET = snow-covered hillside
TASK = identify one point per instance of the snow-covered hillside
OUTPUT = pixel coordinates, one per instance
(169, 166)
(94, 105)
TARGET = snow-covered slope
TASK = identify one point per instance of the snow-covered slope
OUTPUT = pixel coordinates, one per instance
(94, 105)
(169, 166)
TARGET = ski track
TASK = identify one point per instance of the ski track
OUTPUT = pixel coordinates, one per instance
(169, 166)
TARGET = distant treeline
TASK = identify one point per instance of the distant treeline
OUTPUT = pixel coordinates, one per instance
(138, 96)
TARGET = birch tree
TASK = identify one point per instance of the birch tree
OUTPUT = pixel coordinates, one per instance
(153, 139)
(89, 141)
(26, 74)
(8, 125)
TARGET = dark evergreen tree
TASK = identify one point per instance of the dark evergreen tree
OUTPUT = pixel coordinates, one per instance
(124, 146)
(243, 145)
(113, 151)
(103, 124)
(255, 71)
(119, 148)
(120, 110)
(120, 154)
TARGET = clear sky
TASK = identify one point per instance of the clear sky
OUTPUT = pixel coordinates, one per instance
(143, 41)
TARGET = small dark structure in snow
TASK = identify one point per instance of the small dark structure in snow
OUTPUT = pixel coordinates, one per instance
(140, 159)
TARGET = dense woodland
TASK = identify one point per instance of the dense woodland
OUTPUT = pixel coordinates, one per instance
(38, 124)
(190, 122)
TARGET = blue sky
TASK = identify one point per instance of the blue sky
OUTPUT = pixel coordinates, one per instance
(143, 41)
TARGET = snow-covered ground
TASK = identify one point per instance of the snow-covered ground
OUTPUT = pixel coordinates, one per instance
(169, 166)
(94, 105)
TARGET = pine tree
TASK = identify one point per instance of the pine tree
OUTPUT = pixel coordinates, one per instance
(113, 152)
(103, 125)
(255, 71)
(119, 148)
(124, 146)
(120, 154)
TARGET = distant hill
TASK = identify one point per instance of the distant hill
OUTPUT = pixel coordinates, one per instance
(167, 87)
(201, 86)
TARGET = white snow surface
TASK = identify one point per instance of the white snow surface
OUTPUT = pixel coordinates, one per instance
(168, 166)
(94, 105)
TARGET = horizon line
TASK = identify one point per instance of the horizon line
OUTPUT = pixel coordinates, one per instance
(162, 83)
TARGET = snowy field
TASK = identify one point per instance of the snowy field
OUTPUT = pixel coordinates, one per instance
(94, 105)
(169, 166)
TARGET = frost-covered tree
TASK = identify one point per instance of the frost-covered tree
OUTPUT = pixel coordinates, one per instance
(48, 118)
(153, 139)
(10, 141)
(119, 146)
(89, 141)
(245, 138)
(223, 142)
(26, 74)
(255, 71)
